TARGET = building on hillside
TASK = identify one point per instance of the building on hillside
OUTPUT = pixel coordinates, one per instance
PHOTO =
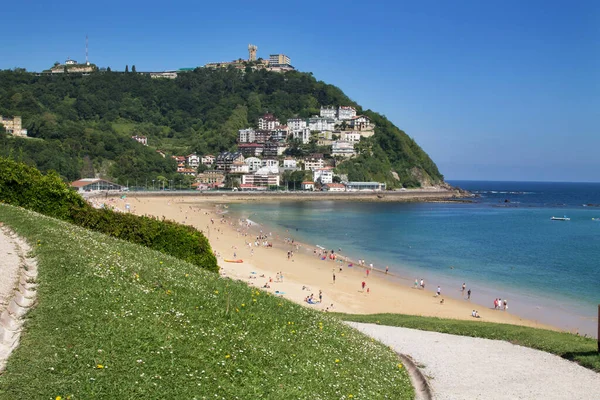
(279, 59)
(334, 187)
(269, 163)
(13, 126)
(268, 170)
(328, 112)
(95, 185)
(321, 124)
(290, 163)
(186, 171)
(226, 159)
(343, 149)
(308, 185)
(280, 133)
(253, 163)
(239, 167)
(268, 122)
(261, 180)
(323, 175)
(360, 123)
(212, 178)
(365, 186)
(346, 112)
(72, 67)
(193, 161)
(208, 160)
(251, 149)
(313, 163)
(70, 62)
(274, 149)
(296, 123)
(163, 74)
(246, 135)
(262, 136)
(179, 159)
(350, 136)
(302, 134)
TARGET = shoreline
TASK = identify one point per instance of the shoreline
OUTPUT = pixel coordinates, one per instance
(411, 195)
(264, 265)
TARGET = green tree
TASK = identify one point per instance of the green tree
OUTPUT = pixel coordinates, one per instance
(133, 68)
(126, 68)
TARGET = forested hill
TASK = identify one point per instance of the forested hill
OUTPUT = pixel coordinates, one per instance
(84, 124)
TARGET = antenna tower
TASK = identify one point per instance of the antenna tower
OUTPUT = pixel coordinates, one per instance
(87, 61)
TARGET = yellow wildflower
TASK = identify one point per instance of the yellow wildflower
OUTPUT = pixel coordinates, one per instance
(227, 356)
(337, 361)
(99, 366)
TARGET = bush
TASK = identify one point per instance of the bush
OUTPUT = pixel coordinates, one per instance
(25, 186)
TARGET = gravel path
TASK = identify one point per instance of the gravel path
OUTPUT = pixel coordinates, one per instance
(460, 367)
(9, 268)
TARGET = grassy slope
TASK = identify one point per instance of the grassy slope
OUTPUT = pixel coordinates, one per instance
(116, 320)
(572, 347)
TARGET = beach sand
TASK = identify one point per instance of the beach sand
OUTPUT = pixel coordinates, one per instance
(385, 294)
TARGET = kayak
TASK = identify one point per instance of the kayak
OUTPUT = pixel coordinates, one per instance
(234, 261)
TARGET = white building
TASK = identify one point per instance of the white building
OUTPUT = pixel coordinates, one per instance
(70, 62)
(328, 112)
(290, 163)
(141, 139)
(239, 167)
(302, 134)
(313, 164)
(246, 135)
(325, 175)
(208, 160)
(321, 124)
(365, 186)
(346, 112)
(254, 163)
(350, 136)
(344, 149)
(268, 122)
(270, 163)
(274, 169)
(308, 185)
(296, 123)
(193, 160)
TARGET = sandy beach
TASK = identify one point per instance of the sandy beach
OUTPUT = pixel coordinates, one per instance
(305, 273)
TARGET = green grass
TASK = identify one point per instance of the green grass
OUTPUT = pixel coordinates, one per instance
(119, 321)
(572, 347)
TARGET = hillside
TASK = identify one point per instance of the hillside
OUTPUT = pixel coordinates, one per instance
(87, 122)
(117, 320)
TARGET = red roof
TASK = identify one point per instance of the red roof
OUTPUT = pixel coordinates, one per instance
(308, 183)
(335, 185)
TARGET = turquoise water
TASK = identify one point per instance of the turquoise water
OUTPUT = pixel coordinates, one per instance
(550, 270)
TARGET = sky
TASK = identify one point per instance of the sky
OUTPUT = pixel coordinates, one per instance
(504, 90)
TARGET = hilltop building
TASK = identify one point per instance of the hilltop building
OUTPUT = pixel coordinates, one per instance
(276, 62)
(13, 126)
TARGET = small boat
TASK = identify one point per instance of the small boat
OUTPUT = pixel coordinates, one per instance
(565, 218)
(234, 261)
(596, 219)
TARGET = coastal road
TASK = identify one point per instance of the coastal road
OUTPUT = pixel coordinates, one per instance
(459, 367)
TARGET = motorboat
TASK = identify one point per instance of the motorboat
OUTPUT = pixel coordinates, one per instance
(565, 218)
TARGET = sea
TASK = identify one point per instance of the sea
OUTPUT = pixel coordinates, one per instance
(501, 243)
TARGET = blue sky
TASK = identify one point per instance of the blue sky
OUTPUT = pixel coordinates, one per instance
(491, 90)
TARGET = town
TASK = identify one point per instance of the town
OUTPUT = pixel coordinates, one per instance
(260, 162)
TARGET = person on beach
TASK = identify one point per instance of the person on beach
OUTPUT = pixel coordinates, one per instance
(320, 296)
(505, 305)
(469, 294)
(367, 273)
(422, 284)
(463, 287)
(363, 285)
(416, 283)
(334, 277)
(386, 269)
(439, 291)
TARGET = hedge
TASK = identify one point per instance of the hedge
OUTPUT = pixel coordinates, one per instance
(24, 186)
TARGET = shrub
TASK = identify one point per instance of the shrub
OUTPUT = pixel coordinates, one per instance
(25, 186)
